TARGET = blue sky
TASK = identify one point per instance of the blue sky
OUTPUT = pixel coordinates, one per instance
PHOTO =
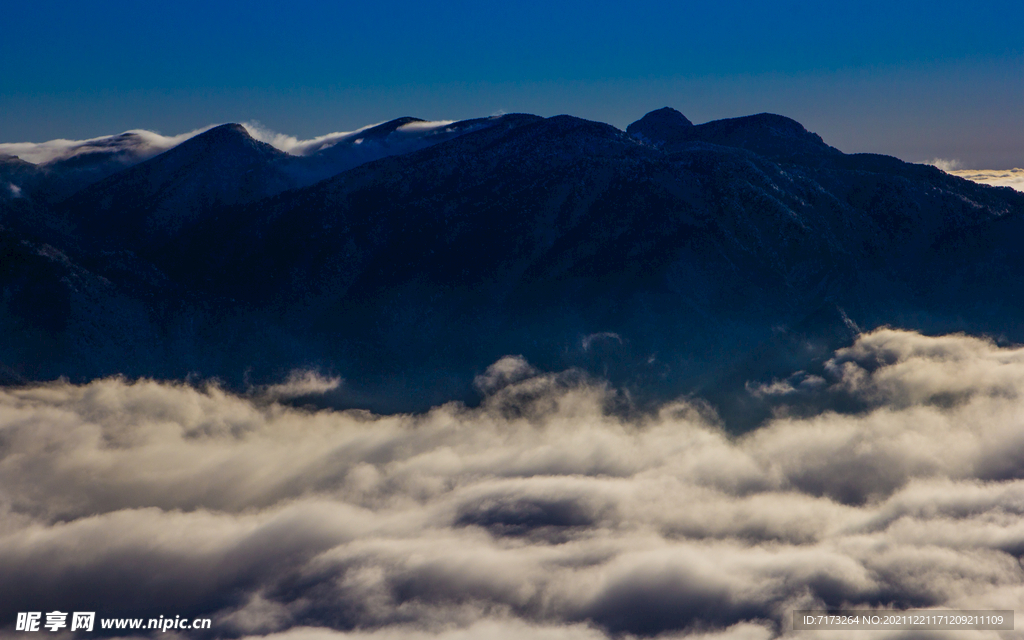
(918, 80)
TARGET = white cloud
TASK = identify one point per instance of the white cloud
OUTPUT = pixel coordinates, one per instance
(139, 143)
(294, 146)
(14, 189)
(504, 372)
(1013, 178)
(945, 165)
(424, 125)
(301, 384)
(536, 514)
(588, 340)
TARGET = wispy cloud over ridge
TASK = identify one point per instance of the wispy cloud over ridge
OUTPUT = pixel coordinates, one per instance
(946, 165)
(294, 146)
(140, 144)
(538, 514)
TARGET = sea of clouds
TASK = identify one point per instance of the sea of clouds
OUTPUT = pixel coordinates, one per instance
(542, 513)
(1013, 178)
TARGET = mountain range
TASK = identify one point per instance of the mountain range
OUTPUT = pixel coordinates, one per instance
(670, 258)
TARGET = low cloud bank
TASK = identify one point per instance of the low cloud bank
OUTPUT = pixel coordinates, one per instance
(1013, 178)
(536, 515)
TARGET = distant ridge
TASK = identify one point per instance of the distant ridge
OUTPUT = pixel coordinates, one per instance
(158, 198)
(410, 256)
(387, 128)
(766, 134)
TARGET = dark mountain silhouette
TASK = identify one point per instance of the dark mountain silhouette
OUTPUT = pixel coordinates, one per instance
(669, 258)
(146, 205)
(91, 163)
(13, 172)
(86, 163)
(157, 199)
(396, 137)
(657, 127)
(18, 179)
(764, 134)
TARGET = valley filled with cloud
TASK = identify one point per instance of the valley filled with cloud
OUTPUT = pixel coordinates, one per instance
(491, 321)
(551, 510)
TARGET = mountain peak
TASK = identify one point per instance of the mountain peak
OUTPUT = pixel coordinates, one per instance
(767, 134)
(155, 199)
(229, 143)
(225, 132)
(780, 126)
(233, 127)
(387, 128)
(659, 125)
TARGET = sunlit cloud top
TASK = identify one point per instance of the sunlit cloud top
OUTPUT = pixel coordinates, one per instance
(1013, 178)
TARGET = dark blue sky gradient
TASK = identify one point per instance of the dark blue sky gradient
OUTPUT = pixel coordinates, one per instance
(913, 79)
